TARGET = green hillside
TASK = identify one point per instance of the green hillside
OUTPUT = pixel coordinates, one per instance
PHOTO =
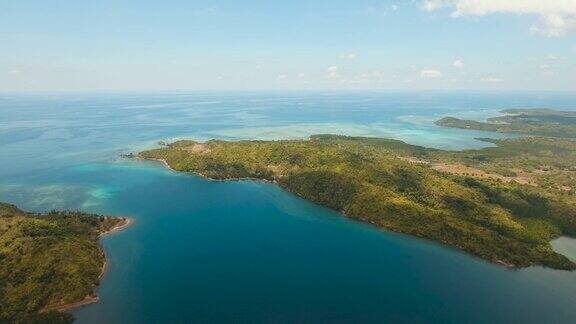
(48, 260)
(395, 186)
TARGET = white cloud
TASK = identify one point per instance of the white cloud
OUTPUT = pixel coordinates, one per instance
(332, 72)
(554, 25)
(546, 69)
(206, 11)
(491, 79)
(459, 64)
(348, 56)
(282, 77)
(430, 74)
(555, 17)
(382, 10)
(375, 76)
(431, 5)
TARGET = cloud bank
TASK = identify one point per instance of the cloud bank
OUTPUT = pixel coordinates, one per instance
(430, 74)
(555, 17)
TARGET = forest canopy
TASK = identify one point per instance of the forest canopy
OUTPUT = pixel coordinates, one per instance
(488, 211)
(48, 260)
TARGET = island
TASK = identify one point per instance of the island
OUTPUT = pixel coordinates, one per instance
(502, 203)
(536, 121)
(50, 262)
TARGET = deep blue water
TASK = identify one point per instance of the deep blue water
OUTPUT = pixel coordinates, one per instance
(205, 251)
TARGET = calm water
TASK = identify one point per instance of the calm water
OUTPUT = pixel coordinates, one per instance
(203, 251)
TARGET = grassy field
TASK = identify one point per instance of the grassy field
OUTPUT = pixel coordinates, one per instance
(48, 260)
(397, 186)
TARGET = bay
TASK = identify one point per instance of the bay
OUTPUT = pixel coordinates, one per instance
(243, 251)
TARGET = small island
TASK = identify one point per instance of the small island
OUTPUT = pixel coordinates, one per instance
(50, 262)
(540, 122)
(502, 203)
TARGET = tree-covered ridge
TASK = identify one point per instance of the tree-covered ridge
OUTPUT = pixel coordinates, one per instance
(393, 185)
(48, 260)
(540, 122)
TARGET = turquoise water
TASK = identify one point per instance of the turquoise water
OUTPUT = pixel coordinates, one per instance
(205, 251)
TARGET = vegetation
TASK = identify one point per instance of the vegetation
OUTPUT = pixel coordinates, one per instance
(48, 260)
(540, 122)
(547, 163)
(395, 186)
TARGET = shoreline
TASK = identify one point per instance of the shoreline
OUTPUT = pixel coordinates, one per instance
(88, 300)
(203, 176)
(92, 299)
(506, 265)
(126, 222)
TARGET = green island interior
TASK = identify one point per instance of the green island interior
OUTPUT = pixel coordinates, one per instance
(503, 204)
(49, 262)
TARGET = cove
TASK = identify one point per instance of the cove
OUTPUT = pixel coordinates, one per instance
(244, 251)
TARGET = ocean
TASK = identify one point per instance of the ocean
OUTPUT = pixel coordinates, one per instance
(249, 252)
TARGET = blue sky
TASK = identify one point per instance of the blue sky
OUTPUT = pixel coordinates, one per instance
(224, 45)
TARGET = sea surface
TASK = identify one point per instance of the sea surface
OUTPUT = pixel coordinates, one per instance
(248, 252)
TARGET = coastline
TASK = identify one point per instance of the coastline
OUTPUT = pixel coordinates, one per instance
(66, 307)
(119, 227)
(126, 222)
(92, 299)
(204, 176)
(499, 262)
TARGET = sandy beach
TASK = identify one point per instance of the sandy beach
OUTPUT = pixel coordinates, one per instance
(126, 222)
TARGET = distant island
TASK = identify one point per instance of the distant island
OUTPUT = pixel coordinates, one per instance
(503, 204)
(50, 262)
(540, 122)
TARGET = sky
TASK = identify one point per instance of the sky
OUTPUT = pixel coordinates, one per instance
(83, 45)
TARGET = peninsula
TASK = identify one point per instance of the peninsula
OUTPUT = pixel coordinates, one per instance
(50, 262)
(498, 203)
(540, 122)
